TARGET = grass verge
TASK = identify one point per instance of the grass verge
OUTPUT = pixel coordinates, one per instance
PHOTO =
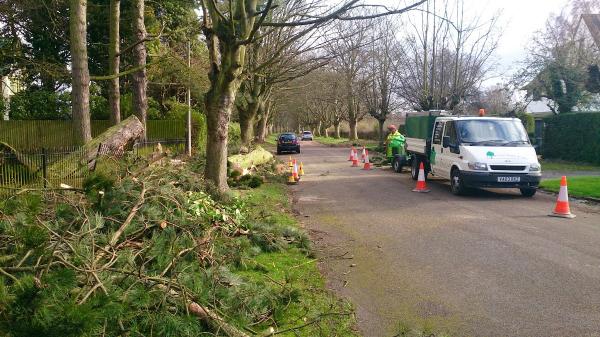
(343, 141)
(143, 253)
(314, 311)
(560, 165)
(578, 186)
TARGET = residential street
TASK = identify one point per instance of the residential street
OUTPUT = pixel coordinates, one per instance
(489, 264)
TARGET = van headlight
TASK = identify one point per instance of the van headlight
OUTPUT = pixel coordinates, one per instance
(534, 167)
(477, 166)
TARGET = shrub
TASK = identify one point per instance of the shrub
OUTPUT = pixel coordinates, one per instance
(574, 137)
(235, 134)
(528, 121)
(40, 104)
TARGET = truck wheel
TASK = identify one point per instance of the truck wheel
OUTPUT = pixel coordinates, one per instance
(414, 168)
(397, 164)
(528, 192)
(456, 183)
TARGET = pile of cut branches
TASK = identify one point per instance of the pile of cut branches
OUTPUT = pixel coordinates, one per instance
(148, 255)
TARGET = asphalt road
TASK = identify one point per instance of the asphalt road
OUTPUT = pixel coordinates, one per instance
(489, 264)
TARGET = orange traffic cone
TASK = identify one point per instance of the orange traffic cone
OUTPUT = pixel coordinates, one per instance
(363, 154)
(421, 186)
(295, 171)
(351, 154)
(562, 208)
(367, 165)
(291, 179)
(301, 170)
(355, 160)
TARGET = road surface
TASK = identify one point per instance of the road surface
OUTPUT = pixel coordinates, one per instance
(489, 264)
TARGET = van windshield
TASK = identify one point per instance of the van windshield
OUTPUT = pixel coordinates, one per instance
(492, 132)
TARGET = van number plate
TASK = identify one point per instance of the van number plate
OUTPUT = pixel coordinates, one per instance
(509, 179)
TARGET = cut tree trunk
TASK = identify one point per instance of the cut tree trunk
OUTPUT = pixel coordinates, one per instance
(113, 142)
(258, 156)
(80, 92)
(140, 81)
(114, 60)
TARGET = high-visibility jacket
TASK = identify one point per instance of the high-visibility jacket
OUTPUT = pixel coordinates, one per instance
(394, 140)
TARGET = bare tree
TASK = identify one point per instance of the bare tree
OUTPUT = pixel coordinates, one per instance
(80, 92)
(114, 60)
(230, 26)
(140, 81)
(380, 77)
(349, 60)
(445, 56)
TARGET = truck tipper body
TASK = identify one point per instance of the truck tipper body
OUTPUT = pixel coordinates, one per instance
(472, 152)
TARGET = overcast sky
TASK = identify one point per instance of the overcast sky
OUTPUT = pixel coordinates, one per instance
(519, 20)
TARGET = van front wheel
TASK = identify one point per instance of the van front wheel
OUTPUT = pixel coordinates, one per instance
(528, 192)
(456, 183)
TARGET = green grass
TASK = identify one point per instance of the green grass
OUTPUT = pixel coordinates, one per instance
(578, 186)
(312, 310)
(560, 165)
(272, 139)
(342, 141)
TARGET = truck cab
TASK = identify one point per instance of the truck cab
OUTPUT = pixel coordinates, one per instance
(477, 152)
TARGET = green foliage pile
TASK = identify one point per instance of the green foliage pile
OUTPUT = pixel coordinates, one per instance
(573, 137)
(139, 256)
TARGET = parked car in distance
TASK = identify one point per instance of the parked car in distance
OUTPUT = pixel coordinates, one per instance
(306, 135)
(287, 142)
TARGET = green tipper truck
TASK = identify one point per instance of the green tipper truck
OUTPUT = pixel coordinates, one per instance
(472, 152)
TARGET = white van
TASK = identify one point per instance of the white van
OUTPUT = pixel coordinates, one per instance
(475, 152)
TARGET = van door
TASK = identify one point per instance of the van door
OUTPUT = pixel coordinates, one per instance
(435, 160)
(449, 155)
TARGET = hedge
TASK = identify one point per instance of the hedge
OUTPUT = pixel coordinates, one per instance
(573, 137)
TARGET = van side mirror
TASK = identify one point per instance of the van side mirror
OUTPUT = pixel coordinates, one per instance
(446, 141)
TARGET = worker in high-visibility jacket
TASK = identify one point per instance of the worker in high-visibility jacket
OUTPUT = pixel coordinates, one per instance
(394, 142)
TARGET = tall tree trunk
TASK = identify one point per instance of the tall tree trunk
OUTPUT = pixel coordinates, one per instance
(336, 126)
(263, 129)
(247, 117)
(351, 109)
(219, 103)
(80, 92)
(353, 135)
(114, 60)
(140, 82)
(381, 136)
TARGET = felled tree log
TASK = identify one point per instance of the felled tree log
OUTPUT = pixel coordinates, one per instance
(114, 141)
(258, 156)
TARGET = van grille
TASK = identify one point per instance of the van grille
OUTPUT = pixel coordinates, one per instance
(508, 167)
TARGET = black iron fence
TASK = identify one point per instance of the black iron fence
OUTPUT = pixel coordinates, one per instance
(65, 167)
